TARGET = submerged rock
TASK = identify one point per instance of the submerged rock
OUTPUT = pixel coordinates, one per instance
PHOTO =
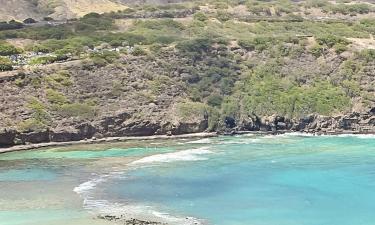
(130, 221)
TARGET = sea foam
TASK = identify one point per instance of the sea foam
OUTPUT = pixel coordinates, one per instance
(89, 185)
(363, 136)
(186, 155)
(143, 212)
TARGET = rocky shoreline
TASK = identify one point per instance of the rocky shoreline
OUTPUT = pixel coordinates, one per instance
(104, 140)
(146, 220)
(131, 221)
(117, 129)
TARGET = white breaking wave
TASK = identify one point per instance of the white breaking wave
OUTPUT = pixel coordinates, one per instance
(363, 136)
(129, 211)
(239, 141)
(186, 155)
(142, 212)
(84, 188)
(298, 134)
(248, 135)
(89, 185)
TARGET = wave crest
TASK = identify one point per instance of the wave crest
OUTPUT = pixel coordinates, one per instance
(186, 155)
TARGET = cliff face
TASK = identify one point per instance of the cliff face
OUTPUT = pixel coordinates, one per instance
(176, 69)
(136, 96)
(145, 95)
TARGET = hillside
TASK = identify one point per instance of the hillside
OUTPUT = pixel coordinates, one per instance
(191, 67)
(65, 9)
(58, 9)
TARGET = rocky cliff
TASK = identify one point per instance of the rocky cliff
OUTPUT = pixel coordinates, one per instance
(138, 96)
(184, 68)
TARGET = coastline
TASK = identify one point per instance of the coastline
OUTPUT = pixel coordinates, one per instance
(166, 137)
(126, 213)
(105, 140)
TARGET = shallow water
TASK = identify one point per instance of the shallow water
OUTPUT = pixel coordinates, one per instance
(260, 180)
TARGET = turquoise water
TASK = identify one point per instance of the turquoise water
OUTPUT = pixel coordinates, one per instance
(260, 180)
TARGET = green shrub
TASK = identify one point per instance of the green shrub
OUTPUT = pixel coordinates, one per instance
(247, 44)
(214, 100)
(223, 16)
(231, 106)
(213, 119)
(46, 32)
(266, 92)
(261, 43)
(103, 58)
(92, 22)
(367, 54)
(130, 39)
(191, 110)
(258, 9)
(316, 3)
(200, 16)
(8, 49)
(31, 125)
(340, 48)
(62, 77)
(43, 60)
(226, 85)
(352, 9)
(138, 51)
(5, 64)
(197, 45)
(19, 82)
(317, 50)
(160, 83)
(159, 24)
(39, 48)
(36, 82)
(40, 118)
(80, 110)
(55, 97)
(351, 87)
(331, 40)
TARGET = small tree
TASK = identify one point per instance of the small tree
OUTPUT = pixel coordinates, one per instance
(29, 21)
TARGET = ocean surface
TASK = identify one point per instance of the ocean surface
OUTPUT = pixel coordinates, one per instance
(243, 180)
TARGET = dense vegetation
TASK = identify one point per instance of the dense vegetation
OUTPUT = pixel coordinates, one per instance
(235, 65)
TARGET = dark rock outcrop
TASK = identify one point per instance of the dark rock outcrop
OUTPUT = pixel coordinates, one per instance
(7, 137)
(230, 122)
(65, 134)
(34, 137)
(86, 130)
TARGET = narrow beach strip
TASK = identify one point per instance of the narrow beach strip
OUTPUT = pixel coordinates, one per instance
(105, 140)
